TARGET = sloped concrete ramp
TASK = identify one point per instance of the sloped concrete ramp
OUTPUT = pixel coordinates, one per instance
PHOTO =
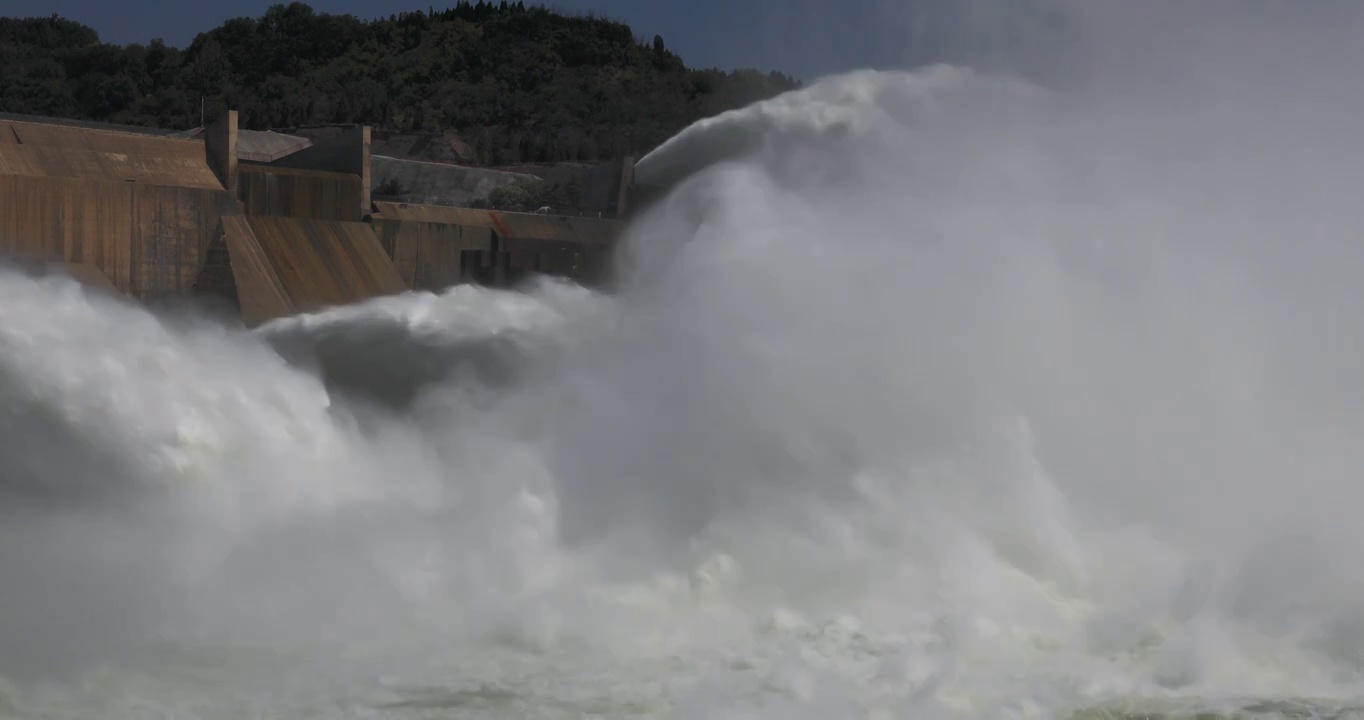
(260, 293)
(34, 150)
(321, 263)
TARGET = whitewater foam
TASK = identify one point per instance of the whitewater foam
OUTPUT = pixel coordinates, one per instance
(926, 395)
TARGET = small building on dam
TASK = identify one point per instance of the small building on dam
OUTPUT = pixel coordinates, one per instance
(270, 224)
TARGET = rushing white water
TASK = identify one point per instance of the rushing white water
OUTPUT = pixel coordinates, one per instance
(927, 395)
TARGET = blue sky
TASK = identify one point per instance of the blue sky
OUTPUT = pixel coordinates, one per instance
(806, 38)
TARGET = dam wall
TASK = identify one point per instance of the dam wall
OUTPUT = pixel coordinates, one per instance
(346, 153)
(148, 240)
(238, 271)
(267, 224)
(434, 247)
(321, 263)
(141, 210)
(312, 194)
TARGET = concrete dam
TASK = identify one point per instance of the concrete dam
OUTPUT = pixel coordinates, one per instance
(267, 224)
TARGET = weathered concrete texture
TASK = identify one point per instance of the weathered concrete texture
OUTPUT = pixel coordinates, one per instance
(427, 183)
(578, 248)
(432, 147)
(347, 152)
(220, 148)
(236, 271)
(148, 240)
(215, 277)
(268, 146)
(436, 247)
(525, 226)
(433, 256)
(432, 213)
(92, 125)
(261, 146)
(260, 291)
(587, 231)
(313, 194)
(366, 171)
(344, 152)
(38, 150)
(156, 217)
(323, 263)
(294, 265)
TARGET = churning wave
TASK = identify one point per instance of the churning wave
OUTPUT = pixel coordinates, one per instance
(928, 395)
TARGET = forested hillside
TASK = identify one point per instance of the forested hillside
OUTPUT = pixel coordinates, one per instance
(518, 84)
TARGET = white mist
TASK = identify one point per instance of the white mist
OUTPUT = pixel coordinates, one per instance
(928, 395)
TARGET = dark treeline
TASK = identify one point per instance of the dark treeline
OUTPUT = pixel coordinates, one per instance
(517, 83)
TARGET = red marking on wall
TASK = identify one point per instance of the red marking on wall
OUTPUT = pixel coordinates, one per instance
(509, 240)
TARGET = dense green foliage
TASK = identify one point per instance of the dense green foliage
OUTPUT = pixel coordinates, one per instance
(518, 84)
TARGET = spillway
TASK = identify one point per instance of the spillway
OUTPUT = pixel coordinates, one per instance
(923, 394)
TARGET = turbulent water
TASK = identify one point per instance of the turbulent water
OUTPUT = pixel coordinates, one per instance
(925, 395)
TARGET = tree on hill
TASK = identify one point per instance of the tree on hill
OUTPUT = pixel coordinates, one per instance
(520, 84)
